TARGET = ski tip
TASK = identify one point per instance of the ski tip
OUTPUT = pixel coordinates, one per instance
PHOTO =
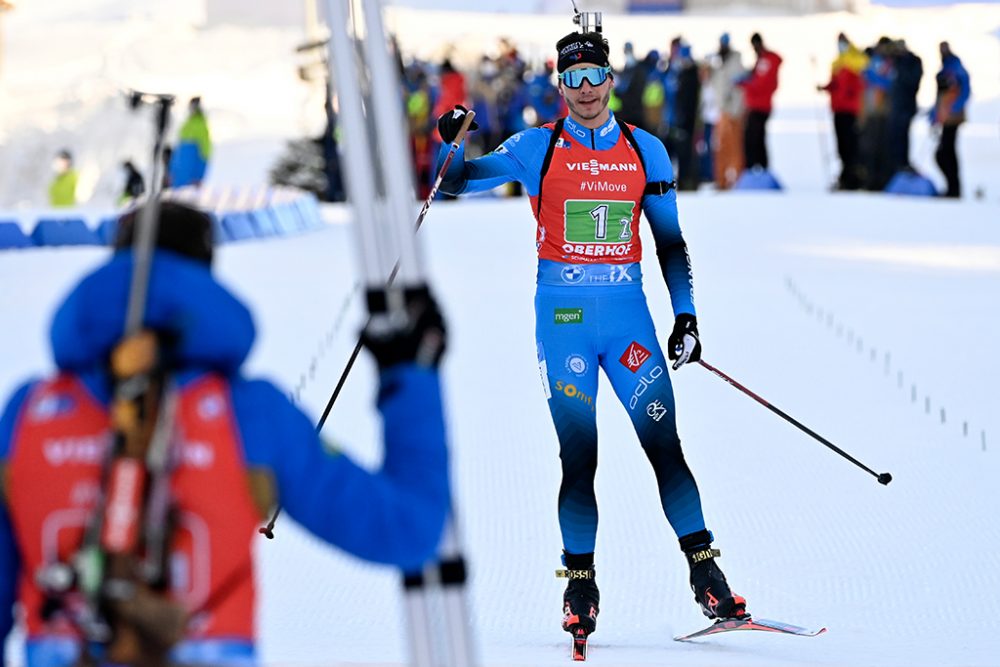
(579, 647)
(751, 624)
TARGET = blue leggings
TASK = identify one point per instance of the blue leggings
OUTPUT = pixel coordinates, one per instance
(577, 329)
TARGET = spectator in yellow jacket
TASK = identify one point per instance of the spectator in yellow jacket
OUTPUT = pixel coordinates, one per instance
(62, 191)
(189, 160)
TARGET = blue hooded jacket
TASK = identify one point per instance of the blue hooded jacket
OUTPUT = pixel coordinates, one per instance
(393, 516)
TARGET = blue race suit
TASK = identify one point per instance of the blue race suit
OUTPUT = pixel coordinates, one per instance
(592, 314)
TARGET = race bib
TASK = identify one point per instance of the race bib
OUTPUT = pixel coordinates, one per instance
(589, 221)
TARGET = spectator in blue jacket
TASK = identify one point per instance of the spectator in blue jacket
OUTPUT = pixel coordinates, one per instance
(239, 447)
(953, 92)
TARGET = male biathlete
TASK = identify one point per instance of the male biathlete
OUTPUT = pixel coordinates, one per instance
(588, 177)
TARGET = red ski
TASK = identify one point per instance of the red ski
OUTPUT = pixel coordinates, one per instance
(760, 624)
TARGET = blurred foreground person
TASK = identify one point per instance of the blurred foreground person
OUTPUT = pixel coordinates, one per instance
(235, 448)
(599, 175)
(953, 93)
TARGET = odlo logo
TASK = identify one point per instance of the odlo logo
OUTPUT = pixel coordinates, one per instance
(569, 316)
(645, 382)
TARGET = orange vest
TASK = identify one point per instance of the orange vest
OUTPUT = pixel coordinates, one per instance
(58, 446)
(591, 204)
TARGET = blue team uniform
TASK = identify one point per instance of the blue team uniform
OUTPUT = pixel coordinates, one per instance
(589, 305)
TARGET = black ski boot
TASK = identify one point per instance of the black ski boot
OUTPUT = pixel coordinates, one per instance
(711, 591)
(582, 599)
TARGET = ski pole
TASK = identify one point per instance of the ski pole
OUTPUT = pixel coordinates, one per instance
(378, 158)
(268, 530)
(883, 478)
(823, 151)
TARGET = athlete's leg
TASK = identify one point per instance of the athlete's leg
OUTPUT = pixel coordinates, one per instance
(634, 362)
(568, 364)
(638, 371)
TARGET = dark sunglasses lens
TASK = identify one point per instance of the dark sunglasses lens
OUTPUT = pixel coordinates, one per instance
(594, 75)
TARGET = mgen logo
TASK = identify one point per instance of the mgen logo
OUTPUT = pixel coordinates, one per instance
(569, 316)
(635, 356)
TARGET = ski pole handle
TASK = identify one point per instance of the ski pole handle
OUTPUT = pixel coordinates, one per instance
(459, 138)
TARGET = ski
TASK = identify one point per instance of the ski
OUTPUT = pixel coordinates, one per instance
(760, 624)
(579, 649)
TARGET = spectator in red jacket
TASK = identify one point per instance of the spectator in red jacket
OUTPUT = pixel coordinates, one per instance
(758, 89)
(846, 87)
(452, 91)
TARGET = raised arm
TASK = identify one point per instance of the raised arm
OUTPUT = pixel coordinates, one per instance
(393, 515)
(517, 159)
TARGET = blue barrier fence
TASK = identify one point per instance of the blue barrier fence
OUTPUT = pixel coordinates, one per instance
(237, 215)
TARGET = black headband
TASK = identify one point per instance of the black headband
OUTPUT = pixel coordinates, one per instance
(582, 50)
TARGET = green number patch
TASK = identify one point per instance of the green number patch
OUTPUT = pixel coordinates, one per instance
(598, 221)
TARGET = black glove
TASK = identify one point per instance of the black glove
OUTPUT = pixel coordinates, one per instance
(683, 344)
(420, 338)
(451, 122)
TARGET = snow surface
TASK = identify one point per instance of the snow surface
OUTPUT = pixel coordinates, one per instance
(900, 574)
(863, 316)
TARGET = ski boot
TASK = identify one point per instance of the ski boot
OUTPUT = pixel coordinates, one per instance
(581, 600)
(711, 591)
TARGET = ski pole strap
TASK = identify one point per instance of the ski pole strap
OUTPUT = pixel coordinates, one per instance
(696, 557)
(575, 574)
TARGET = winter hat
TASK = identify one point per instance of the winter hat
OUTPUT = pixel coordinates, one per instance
(182, 229)
(587, 47)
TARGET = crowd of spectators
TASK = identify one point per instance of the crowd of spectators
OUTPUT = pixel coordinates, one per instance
(711, 113)
(873, 96)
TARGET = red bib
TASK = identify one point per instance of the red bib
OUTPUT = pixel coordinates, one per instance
(591, 204)
(58, 446)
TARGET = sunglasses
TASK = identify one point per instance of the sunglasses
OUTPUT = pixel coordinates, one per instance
(595, 76)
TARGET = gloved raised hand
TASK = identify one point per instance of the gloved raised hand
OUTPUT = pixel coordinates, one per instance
(683, 344)
(417, 338)
(450, 123)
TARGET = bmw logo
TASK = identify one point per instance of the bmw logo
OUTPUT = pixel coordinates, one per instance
(572, 274)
